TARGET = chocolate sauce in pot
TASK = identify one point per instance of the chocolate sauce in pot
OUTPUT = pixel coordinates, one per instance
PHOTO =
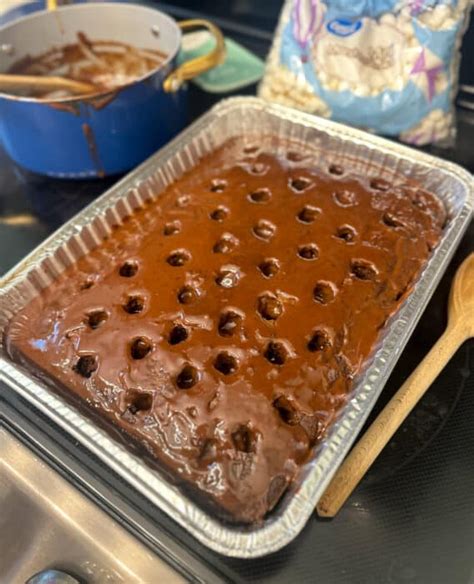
(105, 64)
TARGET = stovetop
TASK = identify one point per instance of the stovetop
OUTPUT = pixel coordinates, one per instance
(411, 520)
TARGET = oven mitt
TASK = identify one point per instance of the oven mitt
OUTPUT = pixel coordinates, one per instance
(240, 68)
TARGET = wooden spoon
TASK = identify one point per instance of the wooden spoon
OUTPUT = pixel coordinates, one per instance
(44, 84)
(460, 328)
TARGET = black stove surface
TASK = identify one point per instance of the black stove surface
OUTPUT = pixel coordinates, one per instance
(411, 520)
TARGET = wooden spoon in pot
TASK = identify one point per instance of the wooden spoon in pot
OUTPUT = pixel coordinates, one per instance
(460, 328)
(44, 84)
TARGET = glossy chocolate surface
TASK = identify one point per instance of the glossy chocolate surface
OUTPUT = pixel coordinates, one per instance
(222, 326)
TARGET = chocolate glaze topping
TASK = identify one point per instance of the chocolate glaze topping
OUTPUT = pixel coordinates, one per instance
(224, 334)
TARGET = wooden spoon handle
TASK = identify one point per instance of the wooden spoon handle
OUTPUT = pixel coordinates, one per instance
(10, 82)
(387, 422)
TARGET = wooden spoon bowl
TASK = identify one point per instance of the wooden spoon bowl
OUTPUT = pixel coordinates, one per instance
(461, 299)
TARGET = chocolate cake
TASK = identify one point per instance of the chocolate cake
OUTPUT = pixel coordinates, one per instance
(222, 325)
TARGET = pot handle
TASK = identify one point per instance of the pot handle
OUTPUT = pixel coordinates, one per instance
(200, 64)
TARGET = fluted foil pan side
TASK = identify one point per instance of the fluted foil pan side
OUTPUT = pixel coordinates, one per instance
(326, 142)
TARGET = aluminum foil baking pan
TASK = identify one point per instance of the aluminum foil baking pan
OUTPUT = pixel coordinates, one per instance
(327, 142)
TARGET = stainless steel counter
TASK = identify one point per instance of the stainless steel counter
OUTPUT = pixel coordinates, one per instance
(47, 523)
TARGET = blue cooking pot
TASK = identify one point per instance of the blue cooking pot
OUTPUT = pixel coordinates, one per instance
(108, 132)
